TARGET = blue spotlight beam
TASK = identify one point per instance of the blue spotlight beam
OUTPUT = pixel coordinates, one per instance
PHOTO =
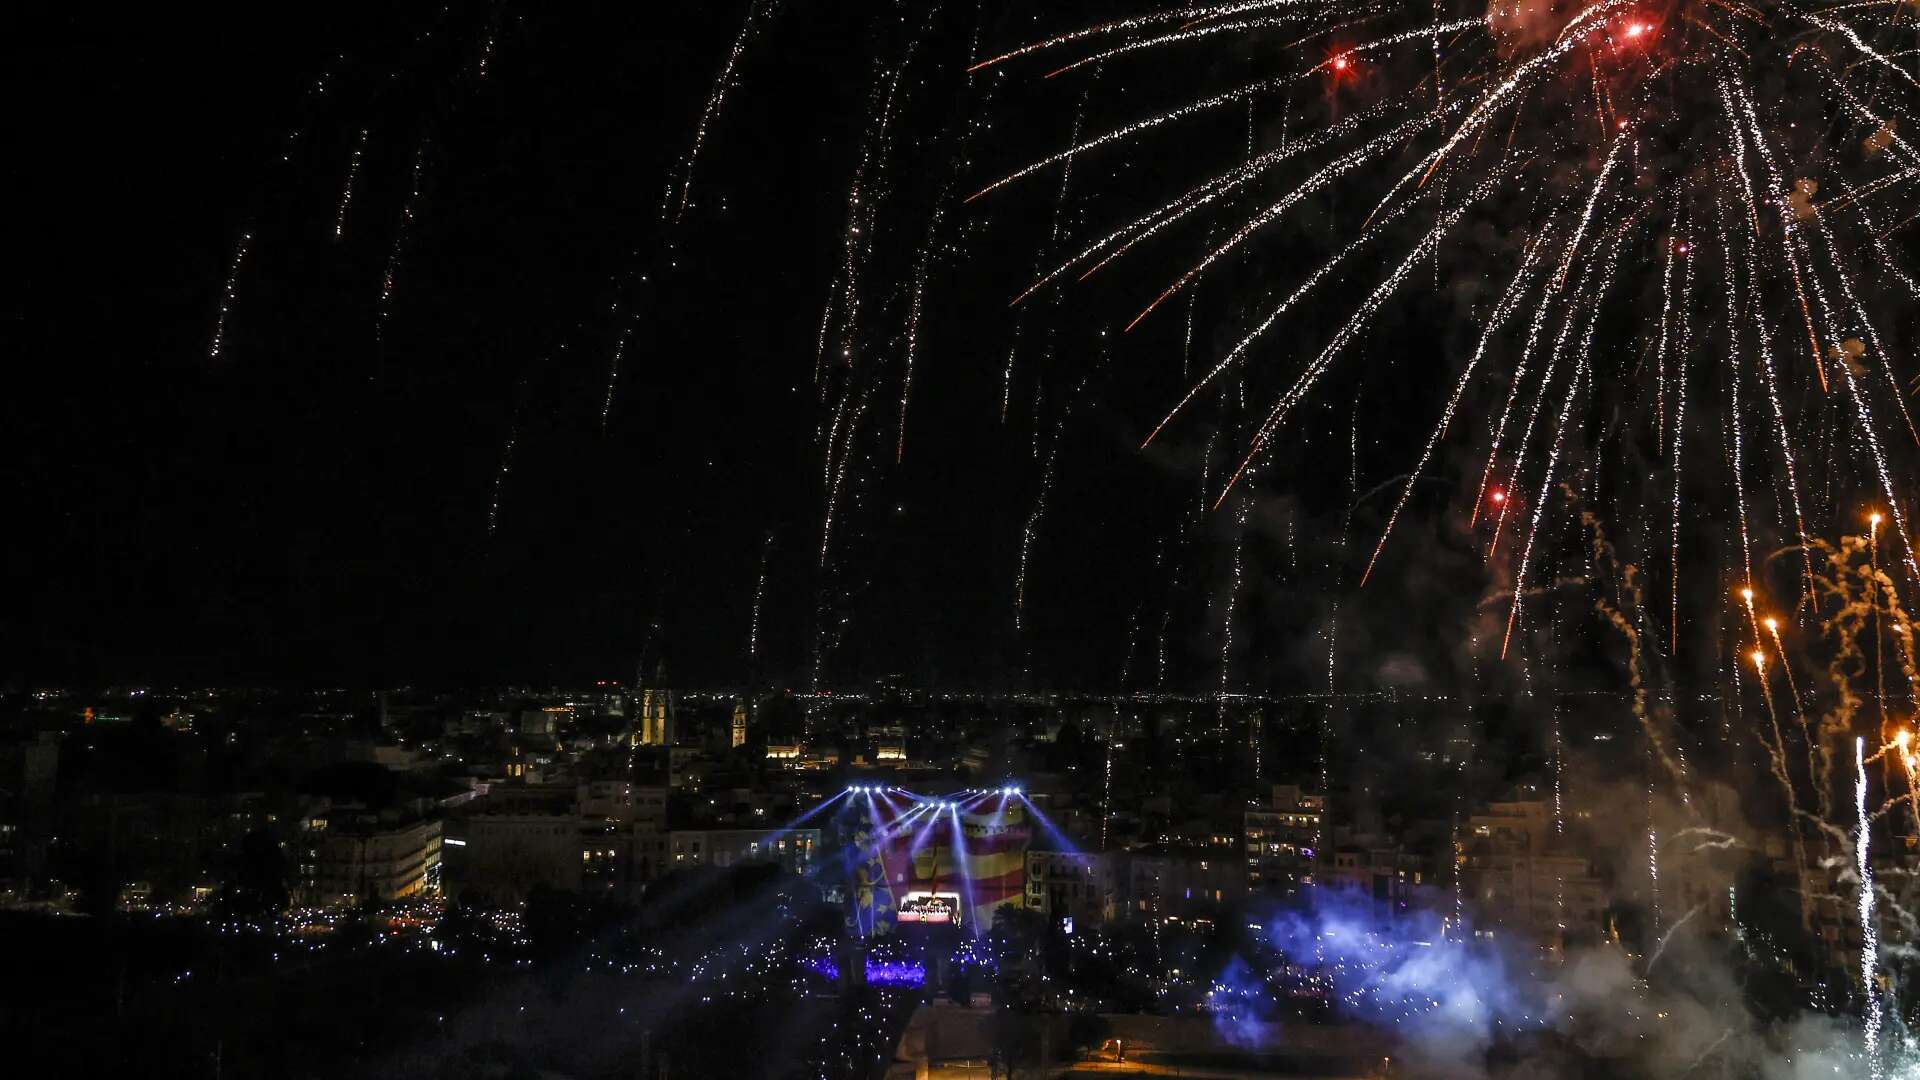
(1053, 831)
(966, 877)
(809, 814)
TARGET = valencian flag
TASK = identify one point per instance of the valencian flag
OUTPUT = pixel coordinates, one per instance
(870, 896)
(978, 867)
(914, 863)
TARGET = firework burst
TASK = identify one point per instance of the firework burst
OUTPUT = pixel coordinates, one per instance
(1754, 146)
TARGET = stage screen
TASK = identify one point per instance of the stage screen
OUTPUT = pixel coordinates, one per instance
(907, 857)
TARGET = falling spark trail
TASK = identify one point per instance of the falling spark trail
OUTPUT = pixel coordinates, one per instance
(1320, 180)
(1868, 429)
(1869, 931)
(1536, 326)
(227, 292)
(1497, 98)
(399, 244)
(1226, 624)
(1032, 527)
(1679, 437)
(1736, 421)
(1777, 758)
(613, 375)
(759, 598)
(1764, 352)
(1872, 334)
(1006, 376)
(1538, 408)
(1246, 341)
(486, 48)
(1066, 171)
(1740, 111)
(922, 268)
(1122, 25)
(1660, 350)
(1586, 216)
(1186, 344)
(1362, 314)
(500, 478)
(721, 85)
(1186, 33)
(346, 191)
(1509, 302)
(1160, 218)
(1668, 936)
(1193, 108)
(1540, 504)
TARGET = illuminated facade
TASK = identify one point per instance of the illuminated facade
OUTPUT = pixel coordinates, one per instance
(1077, 885)
(1281, 839)
(656, 718)
(1523, 879)
(346, 863)
(794, 849)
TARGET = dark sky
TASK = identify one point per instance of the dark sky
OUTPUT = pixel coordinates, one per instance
(317, 503)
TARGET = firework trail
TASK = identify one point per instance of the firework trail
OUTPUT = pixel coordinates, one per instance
(757, 15)
(504, 470)
(1571, 320)
(620, 340)
(1031, 529)
(1245, 505)
(1629, 623)
(842, 316)
(321, 85)
(1066, 172)
(1006, 375)
(346, 189)
(916, 306)
(1246, 341)
(500, 477)
(1509, 303)
(759, 599)
(1678, 459)
(1735, 428)
(1057, 233)
(400, 236)
(933, 244)
(846, 363)
(1186, 344)
(1870, 935)
(1540, 504)
(1353, 326)
(227, 292)
(1124, 239)
(482, 63)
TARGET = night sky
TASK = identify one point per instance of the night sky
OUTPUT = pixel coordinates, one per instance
(317, 503)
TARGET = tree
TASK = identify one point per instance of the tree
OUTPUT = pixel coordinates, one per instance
(1014, 1042)
(1086, 1031)
(258, 885)
(1017, 931)
(555, 920)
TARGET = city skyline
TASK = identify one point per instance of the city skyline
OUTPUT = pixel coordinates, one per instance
(890, 539)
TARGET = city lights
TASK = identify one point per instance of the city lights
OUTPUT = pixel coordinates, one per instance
(1602, 306)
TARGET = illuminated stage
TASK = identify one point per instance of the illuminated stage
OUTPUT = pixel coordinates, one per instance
(926, 861)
